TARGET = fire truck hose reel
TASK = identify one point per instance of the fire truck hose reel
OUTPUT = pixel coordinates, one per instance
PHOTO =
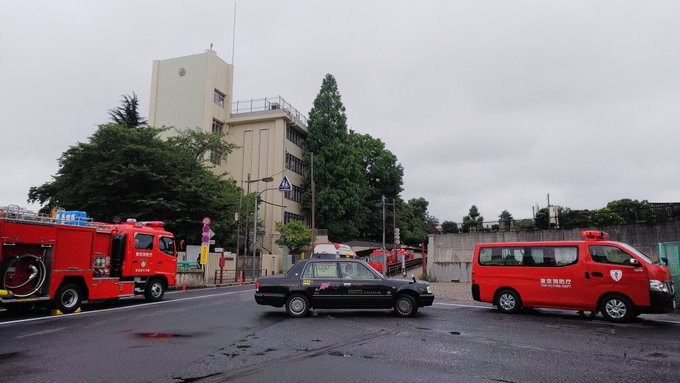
(37, 270)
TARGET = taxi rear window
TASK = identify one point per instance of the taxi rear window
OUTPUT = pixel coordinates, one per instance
(321, 270)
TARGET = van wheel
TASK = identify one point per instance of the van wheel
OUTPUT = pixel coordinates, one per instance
(508, 301)
(297, 305)
(616, 308)
(154, 290)
(68, 298)
(405, 306)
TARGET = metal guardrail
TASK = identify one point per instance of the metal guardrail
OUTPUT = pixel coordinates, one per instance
(396, 268)
(222, 276)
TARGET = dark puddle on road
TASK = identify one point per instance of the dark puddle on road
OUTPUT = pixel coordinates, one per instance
(160, 335)
(9, 355)
(454, 332)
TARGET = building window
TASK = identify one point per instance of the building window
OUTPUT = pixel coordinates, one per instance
(218, 97)
(217, 127)
(295, 164)
(295, 136)
(295, 194)
(292, 217)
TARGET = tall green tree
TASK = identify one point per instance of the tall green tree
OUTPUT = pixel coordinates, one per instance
(449, 227)
(337, 166)
(414, 221)
(473, 221)
(381, 176)
(127, 114)
(505, 220)
(133, 173)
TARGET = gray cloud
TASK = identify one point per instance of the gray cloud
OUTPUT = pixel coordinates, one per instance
(493, 103)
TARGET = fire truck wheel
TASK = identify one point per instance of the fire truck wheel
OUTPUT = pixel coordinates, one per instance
(616, 308)
(297, 305)
(68, 298)
(405, 306)
(154, 290)
(508, 301)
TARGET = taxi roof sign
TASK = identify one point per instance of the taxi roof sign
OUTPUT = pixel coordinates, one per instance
(285, 185)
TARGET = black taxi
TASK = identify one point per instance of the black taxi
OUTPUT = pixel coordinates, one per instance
(341, 284)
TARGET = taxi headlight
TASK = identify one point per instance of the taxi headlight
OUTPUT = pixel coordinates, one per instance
(656, 285)
(429, 290)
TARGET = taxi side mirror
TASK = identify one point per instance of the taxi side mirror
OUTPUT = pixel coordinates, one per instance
(634, 262)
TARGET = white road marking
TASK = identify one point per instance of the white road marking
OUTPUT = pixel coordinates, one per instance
(131, 307)
(462, 305)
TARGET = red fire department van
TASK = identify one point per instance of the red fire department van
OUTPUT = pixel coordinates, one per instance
(591, 275)
(62, 261)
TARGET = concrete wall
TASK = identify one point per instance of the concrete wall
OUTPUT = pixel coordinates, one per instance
(449, 256)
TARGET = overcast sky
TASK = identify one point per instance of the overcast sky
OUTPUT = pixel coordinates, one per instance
(494, 103)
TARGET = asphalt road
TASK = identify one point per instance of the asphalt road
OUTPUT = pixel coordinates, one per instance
(221, 335)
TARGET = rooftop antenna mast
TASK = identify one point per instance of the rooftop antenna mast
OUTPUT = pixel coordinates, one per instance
(233, 36)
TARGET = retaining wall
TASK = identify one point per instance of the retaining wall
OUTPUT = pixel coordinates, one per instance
(450, 255)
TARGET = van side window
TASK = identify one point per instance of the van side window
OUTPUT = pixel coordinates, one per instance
(544, 256)
(609, 254)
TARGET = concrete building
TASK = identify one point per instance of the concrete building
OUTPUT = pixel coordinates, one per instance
(197, 91)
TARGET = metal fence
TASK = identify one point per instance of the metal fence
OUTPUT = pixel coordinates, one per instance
(268, 103)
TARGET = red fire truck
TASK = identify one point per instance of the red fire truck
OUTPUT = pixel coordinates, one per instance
(65, 260)
(376, 258)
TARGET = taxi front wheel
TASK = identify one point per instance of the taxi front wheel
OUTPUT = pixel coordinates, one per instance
(297, 305)
(405, 306)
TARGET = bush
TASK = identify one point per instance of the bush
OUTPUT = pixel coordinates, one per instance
(428, 278)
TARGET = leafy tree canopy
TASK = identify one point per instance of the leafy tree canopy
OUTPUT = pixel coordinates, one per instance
(337, 166)
(132, 173)
(473, 221)
(449, 227)
(294, 235)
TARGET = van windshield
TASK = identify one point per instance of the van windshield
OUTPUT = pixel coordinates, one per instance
(637, 252)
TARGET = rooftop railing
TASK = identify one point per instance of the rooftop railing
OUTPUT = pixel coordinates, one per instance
(268, 103)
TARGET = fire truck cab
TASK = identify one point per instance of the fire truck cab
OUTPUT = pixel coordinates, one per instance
(62, 262)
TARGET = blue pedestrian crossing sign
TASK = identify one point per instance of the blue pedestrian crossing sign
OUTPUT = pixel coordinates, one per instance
(285, 185)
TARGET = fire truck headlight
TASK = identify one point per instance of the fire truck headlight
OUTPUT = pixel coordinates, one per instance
(656, 285)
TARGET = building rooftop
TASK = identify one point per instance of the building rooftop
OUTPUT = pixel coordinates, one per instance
(242, 108)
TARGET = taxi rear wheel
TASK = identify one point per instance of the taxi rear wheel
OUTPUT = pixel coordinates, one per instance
(508, 301)
(405, 306)
(297, 305)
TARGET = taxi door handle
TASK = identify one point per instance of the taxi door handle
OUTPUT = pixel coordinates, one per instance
(347, 284)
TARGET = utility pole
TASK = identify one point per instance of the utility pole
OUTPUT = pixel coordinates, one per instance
(384, 251)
